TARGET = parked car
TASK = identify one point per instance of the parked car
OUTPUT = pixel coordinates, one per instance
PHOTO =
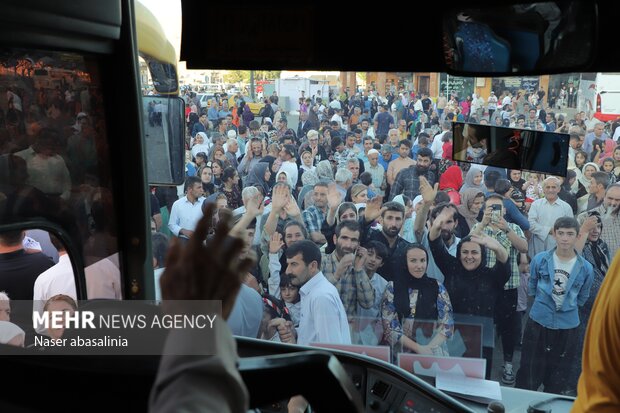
(255, 106)
(205, 99)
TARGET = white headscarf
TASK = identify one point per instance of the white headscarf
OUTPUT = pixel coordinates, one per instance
(8, 331)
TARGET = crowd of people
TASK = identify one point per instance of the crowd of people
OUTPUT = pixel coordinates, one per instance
(364, 230)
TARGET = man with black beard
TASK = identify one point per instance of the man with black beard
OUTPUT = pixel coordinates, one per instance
(345, 269)
(408, 180)
(392, 217)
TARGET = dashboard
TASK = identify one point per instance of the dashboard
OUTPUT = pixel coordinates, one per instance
(387, 388)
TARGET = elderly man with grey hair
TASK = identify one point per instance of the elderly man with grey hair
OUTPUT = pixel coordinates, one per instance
(344, 180)
(542, 215)
(232, 146)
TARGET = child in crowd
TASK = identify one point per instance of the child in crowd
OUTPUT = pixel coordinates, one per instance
(290, 296)
(533, 187)
(275, 313)
(580, 159)
(368, 329)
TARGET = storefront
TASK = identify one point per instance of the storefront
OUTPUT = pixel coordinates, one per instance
(386, 82)
(527, 84)
(456, 85)
(556, 83)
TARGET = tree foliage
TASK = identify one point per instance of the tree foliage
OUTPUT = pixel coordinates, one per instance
(243, 76)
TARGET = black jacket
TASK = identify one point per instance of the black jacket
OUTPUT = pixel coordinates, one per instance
(395, 263)
(471, 292)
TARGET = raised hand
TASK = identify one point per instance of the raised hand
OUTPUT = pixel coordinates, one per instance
(427, 191)
(502, 224)
(334, 198)
(589, 224)
(487, 216)
(292, 209)
(374, 208)
(255, 206)
(360, 258)
(208, 270)
(443, 216)
(344, 264)
(486, 241)
(276, 243)
(280, 198)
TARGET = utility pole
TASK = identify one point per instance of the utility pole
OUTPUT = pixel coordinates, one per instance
(252, 91)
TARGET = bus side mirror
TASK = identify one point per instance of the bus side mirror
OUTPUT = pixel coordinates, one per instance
(164, 139)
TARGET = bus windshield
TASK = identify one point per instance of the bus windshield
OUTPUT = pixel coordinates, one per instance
(456, 271)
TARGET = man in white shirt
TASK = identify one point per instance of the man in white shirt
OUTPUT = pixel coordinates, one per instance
(337, 117)
(437, 146)
(58, 279)
(323, 318)
(187, 211)
(507, 100)
(335, 104)
(542, 215)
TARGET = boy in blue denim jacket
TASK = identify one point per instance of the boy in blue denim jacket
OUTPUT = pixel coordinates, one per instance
(560, 281)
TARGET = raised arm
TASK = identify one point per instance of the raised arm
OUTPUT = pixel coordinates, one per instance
(279, 199)
(492, 244)
(334, 199)
(253, 209)
(365, 290)
(374, 209)
(428, 193)
(447, 263)
(275, 246)
(587, 225)
(202, 270)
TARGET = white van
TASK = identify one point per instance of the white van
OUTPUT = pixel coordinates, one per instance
(607, 106)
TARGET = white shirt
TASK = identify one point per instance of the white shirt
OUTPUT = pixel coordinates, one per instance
(417, 106)
(292, 172)
(616, 134)
(543, 214)
(185, 215)
(338, 119)
(562, 270)
(365, 332)
(323, 318)
(379, 284)
(335, 104)
(103, 280)
(58, 279)
(506, 101)
(294, 310)
(437, 146)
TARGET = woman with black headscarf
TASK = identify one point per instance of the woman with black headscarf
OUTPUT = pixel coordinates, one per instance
(473, 287)
(259, 177)
(413, 302)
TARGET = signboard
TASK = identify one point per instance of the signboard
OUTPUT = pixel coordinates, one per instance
(422, 365)
(515, 83)
(461, 86)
